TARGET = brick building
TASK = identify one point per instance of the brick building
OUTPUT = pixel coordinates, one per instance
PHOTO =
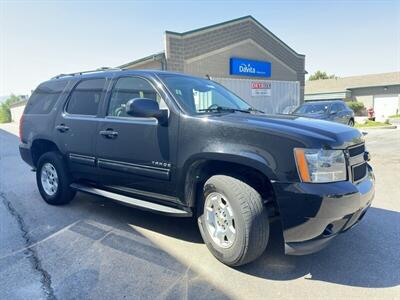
(239, 53)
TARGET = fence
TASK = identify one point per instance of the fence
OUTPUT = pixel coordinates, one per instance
(270, 96)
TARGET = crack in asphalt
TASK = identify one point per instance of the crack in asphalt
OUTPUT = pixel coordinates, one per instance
(32, 255)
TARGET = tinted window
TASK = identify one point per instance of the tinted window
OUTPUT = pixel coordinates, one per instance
(85, 98)
(45, 97)
(336, 107)
(129, 88)
(197, 94)
(317, 108)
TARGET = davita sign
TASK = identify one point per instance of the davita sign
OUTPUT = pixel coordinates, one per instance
(248, 67)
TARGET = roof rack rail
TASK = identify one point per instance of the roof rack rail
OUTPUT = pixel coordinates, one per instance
(102, 69)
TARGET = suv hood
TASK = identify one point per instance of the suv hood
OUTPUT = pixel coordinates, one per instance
(313, 132)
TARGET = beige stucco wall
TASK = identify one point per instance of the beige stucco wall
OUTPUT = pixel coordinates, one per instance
(216, 64)
(367, 100)
(16, 113)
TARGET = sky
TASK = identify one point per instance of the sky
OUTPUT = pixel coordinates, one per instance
(40, 39)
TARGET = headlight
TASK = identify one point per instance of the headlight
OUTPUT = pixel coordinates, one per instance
(319, 165)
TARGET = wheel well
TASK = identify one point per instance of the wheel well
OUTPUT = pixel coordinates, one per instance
(41, 146)
(201, 171)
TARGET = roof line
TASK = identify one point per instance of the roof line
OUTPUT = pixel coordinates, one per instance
(349, 89)
(231, 21)
(143, 59)
(331, 92)
(208, 27)
(372, 85)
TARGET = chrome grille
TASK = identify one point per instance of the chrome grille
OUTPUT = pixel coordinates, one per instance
(359, 172)
(357, 163)
(357, 150)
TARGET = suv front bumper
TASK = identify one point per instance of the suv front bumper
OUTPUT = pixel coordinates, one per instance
(312, 214)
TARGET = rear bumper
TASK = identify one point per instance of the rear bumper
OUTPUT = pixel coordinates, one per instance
(312, 214)
(26, 155)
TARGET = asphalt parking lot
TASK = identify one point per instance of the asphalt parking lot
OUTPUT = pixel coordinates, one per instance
(95, 248)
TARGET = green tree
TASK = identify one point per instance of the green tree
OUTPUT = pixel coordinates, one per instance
(321, 75)
(5, 113)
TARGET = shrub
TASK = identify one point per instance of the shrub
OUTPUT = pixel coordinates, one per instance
(357, 107)
(5, 113)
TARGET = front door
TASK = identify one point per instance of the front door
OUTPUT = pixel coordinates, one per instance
(136, 154)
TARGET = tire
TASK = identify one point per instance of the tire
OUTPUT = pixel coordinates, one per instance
(351, 123)
(251, 224)
(55, 187)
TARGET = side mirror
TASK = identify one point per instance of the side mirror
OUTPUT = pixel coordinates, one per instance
(333, 112)
(145, 108)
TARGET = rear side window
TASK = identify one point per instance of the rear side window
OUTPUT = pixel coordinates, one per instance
(85, 98)
(336, 107)
(45, 97)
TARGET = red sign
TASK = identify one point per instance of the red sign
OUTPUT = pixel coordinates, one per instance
(260, 85)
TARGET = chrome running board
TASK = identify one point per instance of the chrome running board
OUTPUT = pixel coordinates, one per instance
(142, 204)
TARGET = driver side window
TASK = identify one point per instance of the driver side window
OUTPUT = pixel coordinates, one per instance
(128, 88)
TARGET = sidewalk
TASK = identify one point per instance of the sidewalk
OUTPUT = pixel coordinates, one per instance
(12, 128)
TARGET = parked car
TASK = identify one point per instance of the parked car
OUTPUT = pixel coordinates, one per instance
(289, 109)
(335, 111)
(186, 146)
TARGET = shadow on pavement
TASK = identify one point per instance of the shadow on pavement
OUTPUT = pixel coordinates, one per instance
(176, 280)
(181, 228)
(366, 256)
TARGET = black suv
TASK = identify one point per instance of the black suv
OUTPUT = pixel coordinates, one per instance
(186, 146)
(335, 111)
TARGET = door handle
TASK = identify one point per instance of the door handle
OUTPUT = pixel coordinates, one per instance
(62, 128)
(109, 133)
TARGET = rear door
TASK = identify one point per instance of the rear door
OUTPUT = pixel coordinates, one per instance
(337, 113)
(139, 153)
(76, 125)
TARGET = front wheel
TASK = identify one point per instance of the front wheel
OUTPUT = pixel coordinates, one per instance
(233, 220)
(53, 179)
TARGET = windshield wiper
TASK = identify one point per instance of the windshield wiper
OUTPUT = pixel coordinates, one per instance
(255, 110)
(218, 108)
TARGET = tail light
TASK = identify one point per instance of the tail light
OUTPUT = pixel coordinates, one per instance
(21, 122)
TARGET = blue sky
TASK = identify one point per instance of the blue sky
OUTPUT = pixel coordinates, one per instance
(39, 39)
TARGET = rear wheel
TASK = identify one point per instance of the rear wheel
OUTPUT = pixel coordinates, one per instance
(233, 220)
(53, 179)
(351, 123)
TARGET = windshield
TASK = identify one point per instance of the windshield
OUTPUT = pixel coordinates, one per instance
(200, 95)
(319, 108)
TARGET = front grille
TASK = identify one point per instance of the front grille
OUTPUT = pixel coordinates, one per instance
(358, 165)
(359, 172)
(357, 150)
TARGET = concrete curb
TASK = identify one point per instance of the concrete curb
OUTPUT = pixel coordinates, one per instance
(377, 127)
(394, 121)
